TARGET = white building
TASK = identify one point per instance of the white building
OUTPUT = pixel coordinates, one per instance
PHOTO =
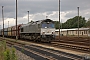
(74, 32)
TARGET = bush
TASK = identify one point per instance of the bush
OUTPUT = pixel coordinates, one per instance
(7, 53)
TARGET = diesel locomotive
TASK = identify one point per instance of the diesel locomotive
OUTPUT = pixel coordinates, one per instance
(42, 30)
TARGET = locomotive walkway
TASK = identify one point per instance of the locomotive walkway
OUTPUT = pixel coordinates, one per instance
(42, 52)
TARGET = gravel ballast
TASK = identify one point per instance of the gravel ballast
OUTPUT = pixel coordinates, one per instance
(22, 56)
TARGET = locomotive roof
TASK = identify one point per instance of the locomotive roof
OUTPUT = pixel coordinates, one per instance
(37, 22)
(47, 20)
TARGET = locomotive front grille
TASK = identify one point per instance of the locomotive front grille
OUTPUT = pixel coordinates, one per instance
(48, 36)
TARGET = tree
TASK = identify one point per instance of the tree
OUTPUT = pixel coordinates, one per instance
(72, 23)
(56, 24)
(88, 23)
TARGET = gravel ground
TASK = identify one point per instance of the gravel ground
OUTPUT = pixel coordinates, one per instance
(22, 56)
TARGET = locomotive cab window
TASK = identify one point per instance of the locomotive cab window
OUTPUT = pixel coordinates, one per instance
(44, 25)
(48, 25)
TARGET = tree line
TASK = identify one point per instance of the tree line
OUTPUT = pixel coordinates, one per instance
(73, 23)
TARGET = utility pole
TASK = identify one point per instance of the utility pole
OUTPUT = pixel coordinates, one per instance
(59, 19)
(28, 16)
(0, 26)
(61, 26)
(3, 20)
(16, 22)
(78, 21)
(8, 23)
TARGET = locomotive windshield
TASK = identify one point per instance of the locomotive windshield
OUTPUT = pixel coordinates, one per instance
(45, 25)
(51, 25)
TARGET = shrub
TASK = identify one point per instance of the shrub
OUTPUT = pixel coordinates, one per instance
(7, 53)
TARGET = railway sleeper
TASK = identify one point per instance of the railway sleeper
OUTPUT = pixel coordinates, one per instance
(86, 49)
(74, 47)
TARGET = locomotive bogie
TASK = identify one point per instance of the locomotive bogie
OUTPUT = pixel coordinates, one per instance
(30, 36)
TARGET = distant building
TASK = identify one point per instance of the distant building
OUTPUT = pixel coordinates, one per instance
(74, 32)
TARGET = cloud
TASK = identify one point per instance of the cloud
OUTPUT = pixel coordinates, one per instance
(39, 9)
(69, 5)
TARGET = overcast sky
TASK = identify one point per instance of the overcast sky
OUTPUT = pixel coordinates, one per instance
(39, 9)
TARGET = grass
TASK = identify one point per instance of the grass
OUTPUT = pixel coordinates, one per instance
(7, 53)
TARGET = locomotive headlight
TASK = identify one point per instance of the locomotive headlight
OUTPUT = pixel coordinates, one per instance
(52, 32)
(48, 22)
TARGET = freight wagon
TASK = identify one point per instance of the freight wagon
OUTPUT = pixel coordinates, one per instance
(5, 32)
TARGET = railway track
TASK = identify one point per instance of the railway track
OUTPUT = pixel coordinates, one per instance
(74, 47)
(76, 42)
(85, 43)
(73, 43)
(21, 46)
(44, 53)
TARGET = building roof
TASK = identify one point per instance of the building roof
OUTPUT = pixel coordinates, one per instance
(72, 29)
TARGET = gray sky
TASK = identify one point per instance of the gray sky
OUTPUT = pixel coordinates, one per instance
(39, 9)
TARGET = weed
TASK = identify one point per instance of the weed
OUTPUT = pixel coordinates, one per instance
(7, 53)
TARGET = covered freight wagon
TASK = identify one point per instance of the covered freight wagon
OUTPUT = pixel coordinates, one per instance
(0, 32)
(5, 32)
(14, 30)
(9, 32)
